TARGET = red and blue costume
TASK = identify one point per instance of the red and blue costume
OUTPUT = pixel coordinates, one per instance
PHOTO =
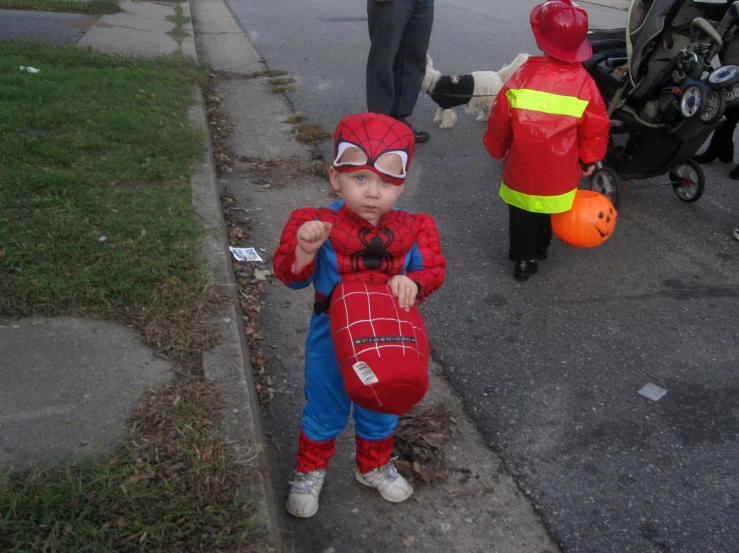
(401, 243)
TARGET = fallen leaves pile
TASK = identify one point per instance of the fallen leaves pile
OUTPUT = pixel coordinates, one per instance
(419, 440)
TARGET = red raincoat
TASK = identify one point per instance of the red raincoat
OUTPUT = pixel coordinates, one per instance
(548, 117)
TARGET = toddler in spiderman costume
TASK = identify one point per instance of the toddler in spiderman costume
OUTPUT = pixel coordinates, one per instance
(361, 238)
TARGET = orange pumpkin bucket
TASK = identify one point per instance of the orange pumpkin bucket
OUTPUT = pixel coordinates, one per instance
(589, 223)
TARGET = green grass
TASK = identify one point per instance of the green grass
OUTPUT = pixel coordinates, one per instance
(280, 85)
(178, 20)
(172, 487)
(96, 212)
(92, 7)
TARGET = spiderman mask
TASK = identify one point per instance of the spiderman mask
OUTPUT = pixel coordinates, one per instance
(375, 136)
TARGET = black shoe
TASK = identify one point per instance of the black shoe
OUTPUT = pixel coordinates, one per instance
(711, 155)
(734, 173)
(421, 136)
(524, 269)
(706, 157)
(541, 254)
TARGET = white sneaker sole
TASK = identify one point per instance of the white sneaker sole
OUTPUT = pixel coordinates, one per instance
(389, 498)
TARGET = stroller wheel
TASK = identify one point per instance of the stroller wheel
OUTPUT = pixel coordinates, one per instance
(732, 96)
(724, 77)
(715, 108)
(608, 182)
(695, 100)
(688, 181)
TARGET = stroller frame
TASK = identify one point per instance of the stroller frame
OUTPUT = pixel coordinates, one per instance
(645, 147)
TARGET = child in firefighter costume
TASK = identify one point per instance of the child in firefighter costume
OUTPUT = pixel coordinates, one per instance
(361, 238)
(550, 125)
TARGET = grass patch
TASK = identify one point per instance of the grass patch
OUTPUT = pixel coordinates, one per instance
(316, 169)
(179, 20)
(294, 118)
(275, 73)
(91, 7)
(96, 213)
(311, 133)
(281, 85)
(172, 487)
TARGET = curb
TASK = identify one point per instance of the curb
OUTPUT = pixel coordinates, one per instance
(229, 363)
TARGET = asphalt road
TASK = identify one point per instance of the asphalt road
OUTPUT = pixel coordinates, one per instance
(550, 369)
(57, 28)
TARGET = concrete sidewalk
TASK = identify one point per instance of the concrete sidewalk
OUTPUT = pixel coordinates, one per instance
(477, 507)
(70, 385)
(56, 401)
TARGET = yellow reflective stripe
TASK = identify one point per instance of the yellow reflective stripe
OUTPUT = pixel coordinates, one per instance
(538, 204)
(546, 102)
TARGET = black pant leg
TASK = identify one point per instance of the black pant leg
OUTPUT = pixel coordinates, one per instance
(723, 138)
(523, 231)
(543, 231)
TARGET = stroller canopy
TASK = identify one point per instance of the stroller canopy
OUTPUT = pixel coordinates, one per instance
(647, 19)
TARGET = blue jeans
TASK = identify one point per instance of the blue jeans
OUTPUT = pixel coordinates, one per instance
(399, 31)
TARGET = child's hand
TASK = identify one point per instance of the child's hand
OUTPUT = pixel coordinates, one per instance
(312, 235)
(405, 290)
(588, 169)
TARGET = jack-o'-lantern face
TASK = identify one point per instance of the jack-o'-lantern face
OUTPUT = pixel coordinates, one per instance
(589, 223)
(606, 222)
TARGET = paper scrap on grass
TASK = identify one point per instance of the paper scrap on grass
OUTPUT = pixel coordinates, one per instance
(245, 254)
(30, 69)
(653, 392)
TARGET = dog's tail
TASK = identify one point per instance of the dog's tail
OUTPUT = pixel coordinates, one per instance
(507, 70)
(430, 78)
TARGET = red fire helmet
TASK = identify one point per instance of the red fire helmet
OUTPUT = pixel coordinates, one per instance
(560, 28)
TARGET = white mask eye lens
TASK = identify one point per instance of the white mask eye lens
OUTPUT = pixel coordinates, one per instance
(388, 163)
(354, 155)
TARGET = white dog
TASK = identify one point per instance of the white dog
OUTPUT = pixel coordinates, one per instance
(476, 91)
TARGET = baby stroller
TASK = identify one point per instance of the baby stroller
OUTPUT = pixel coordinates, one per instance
(665, 90)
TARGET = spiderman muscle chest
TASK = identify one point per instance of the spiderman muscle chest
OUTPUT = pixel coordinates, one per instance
(370, 253)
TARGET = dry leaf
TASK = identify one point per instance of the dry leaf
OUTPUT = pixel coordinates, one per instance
(260, 274)
(134, 479)
(407, 542)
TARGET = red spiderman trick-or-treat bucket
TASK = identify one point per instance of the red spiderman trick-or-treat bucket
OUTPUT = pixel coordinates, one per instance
(382, 349)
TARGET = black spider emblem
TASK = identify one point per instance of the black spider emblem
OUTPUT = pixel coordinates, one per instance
(374, 255)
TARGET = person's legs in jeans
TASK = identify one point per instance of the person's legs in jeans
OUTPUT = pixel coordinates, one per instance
(387, 22)
(410, 63)
(722, 141)
(728, 128)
